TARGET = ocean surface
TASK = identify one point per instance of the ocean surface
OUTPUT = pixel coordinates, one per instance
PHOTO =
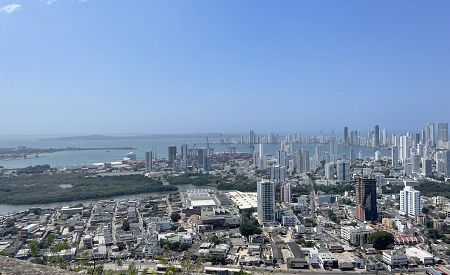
(158, 145)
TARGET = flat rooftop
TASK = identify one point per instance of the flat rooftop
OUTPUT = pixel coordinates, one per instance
(243, 200)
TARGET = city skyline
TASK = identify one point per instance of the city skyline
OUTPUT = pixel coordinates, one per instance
(224, 137)
(83, 67)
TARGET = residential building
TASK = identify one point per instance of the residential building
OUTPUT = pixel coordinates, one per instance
(366, 200)
(266, 201)
(410, 204)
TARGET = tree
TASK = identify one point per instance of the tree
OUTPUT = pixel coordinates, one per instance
(126, 225)
(48, 241)
(191, 266)
(121, 246)
(132, 269)
(214, 239)
(34, 248)
(97, 270)
(381, 240)
(175, 216)
(162, 259)
(249, 227)
(60, 246)
(171, 269)
(434, 234)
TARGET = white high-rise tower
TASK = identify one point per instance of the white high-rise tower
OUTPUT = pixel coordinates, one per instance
(266, 201)
(410, 204)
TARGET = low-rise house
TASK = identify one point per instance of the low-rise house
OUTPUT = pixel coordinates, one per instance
(313, 261)
(29, 229)
(327, 259)
(395, 259)
(256, 238)
(297, 263)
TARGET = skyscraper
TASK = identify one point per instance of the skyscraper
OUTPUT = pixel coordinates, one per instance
(251, 137)
(172, 154)
(329, 171)
(404, 149)
(384, 137)
(286, 192)
(306, 161)
(281, 158)
(184, 151)
(423, 137)
(376, 136)
(431, 139)
(366, 200)
(343, 171)
(394, 156)
(346, 137)
(447, 163)
(319, 154)
(415, 163)
(410, 204)
(354, 138)
(427, 167)
(333, 148)
(352, 156)
(203, 159)
(266, 201)
(278, 173)
(149, 160)
(442, 133)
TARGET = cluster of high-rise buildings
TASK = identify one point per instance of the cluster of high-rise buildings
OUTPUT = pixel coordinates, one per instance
(412, 156)
(185, 159)
(417, 154)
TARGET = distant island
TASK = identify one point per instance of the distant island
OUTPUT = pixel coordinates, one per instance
(106, 137)
(23, 152)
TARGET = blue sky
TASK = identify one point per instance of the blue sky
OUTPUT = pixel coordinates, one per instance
(104, 66)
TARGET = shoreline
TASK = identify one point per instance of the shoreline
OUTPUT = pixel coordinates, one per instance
(11, 154)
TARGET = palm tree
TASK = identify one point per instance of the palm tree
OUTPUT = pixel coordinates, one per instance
(190, 266)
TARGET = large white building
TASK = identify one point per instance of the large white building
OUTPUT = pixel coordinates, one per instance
(410, 204)
(425, 257)
(266, 201)
(395, 259)
(405, 145)
(356, 235)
